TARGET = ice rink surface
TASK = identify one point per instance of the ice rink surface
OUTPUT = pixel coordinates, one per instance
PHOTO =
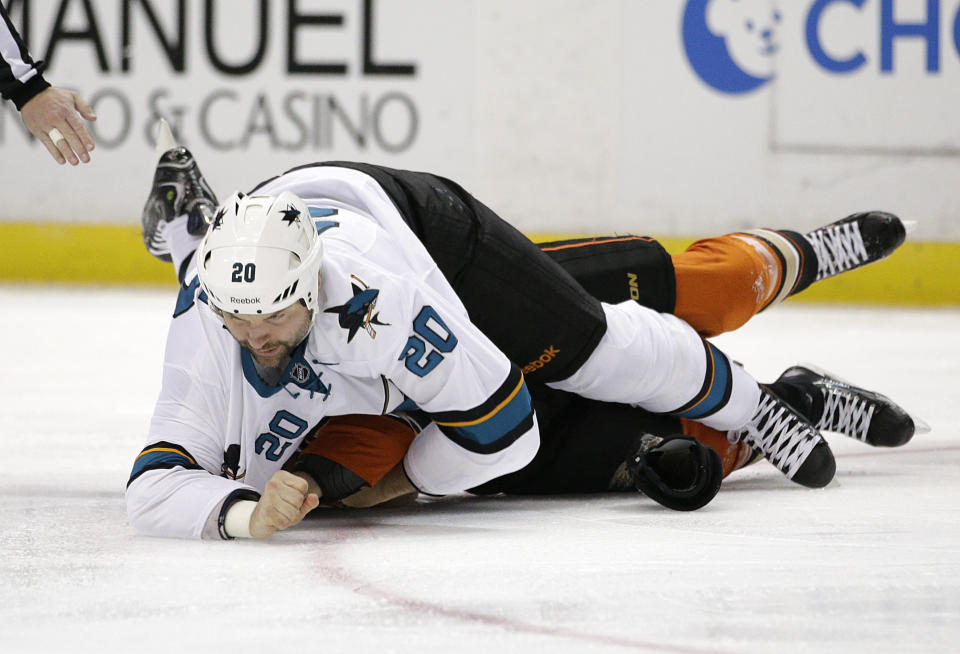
(869, 564)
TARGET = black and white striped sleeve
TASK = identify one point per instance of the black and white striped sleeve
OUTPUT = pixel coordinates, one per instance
(20, 77)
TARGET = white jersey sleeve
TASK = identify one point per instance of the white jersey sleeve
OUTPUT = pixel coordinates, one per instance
(381, 316)
(219, 432)
(175, 488)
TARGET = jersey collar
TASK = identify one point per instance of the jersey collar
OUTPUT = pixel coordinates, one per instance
(298, 373)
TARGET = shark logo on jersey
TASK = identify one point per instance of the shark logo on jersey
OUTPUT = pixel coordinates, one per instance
(358, 312)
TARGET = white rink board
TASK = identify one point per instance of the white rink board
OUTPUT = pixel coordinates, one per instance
(867, 564)
(563, 115)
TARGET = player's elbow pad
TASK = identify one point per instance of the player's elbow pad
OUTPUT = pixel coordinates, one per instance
(494, 425)
(463, 449)
(436, 465)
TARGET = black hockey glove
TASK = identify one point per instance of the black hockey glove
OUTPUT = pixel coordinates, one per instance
(677, 471)
(336, 481)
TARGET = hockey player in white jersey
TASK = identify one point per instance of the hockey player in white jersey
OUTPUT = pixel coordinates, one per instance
(378, 336)
(345, 287)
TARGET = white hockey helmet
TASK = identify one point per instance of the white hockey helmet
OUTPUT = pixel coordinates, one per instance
(260, 255)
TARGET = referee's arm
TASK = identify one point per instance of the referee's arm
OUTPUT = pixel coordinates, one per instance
(52, 115)
(20, 76)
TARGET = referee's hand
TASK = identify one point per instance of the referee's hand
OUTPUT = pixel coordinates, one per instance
(53, 116)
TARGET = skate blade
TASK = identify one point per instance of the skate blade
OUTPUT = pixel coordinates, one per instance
(164, 139)
(920, 426)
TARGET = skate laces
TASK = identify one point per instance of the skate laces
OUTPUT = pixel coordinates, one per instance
(785, 440)
(846, 413)
(196, 193)
(839, 248)
(183, 176)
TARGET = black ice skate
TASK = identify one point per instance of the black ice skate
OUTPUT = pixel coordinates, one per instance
(789, 442)
(178, 188)
(855, 241)
(837, 406)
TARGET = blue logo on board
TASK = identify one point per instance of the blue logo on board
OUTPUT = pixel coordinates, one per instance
(731, 43)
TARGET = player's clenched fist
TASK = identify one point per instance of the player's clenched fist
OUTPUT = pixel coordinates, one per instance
(285, 501)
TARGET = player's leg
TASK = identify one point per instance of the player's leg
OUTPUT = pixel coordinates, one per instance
(618, 268)
(734, 453)
(546, 322)
(828, 403)
(719, 283)
(778, 431)
(722, 282)
(715, 286)
(563, 336)
(822, 399)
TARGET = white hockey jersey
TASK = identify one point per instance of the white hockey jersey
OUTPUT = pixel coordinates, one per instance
(390, 332)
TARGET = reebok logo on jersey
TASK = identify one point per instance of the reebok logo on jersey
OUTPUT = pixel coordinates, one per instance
(548, 355)
(244, 300)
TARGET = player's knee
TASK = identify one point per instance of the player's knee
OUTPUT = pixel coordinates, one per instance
(720, 284)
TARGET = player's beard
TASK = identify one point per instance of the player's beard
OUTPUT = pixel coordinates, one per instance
(278, 359)
(281, 357)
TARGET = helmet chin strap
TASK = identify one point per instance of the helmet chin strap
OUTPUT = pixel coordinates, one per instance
(316, 294)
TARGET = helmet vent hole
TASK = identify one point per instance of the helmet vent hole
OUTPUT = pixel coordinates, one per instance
(286, 293)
